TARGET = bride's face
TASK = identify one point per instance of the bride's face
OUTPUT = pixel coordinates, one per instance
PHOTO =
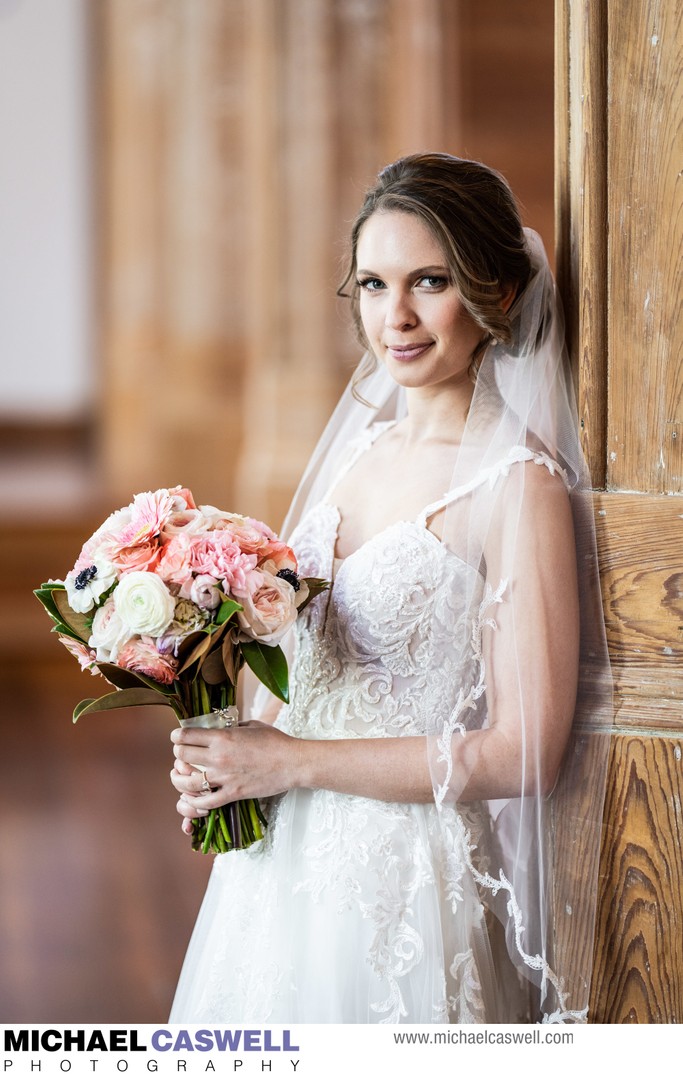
(412, 314)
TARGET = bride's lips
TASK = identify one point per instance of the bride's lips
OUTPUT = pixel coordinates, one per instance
(408, 352)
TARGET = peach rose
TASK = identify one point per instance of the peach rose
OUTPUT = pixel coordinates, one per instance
(268, 607)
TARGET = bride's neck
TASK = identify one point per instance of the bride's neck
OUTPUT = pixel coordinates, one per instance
(437, 413)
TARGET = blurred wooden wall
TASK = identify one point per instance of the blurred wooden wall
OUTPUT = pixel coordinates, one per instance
(619, 136)
(237, 140)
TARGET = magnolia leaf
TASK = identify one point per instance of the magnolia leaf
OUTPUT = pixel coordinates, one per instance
(213, 667)
(78, 622)
(197, 645)
(269, 665)
(123, 678)
(117, 700)
(44, 595)
(227, 610)
(315, 587)
(232, 660)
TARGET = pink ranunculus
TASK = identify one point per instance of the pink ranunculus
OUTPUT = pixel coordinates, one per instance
(141, 655)
(268, 607)
(84, 655)
(217, 554)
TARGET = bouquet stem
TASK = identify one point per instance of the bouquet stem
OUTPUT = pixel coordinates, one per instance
(235, 825)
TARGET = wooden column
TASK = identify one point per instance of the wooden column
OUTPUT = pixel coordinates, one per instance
(620, 240)
(173, 224)
(334, 91)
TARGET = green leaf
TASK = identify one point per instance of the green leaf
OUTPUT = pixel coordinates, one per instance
(44, 595)
(315, 587)
(269, 664)
(228, 608)
(117, 700)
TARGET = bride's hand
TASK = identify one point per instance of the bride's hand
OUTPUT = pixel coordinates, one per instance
(251, 760)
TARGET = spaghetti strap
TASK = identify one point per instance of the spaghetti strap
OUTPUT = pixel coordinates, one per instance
(491, 475)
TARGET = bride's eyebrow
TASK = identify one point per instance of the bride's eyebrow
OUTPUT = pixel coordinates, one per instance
(426, 270)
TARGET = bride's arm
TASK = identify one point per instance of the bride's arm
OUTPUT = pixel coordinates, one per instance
(531, 663)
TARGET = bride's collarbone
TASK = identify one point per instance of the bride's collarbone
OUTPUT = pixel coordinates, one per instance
(372, 511)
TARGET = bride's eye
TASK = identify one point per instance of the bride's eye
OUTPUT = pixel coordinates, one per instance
(433, 282)
(370, 283)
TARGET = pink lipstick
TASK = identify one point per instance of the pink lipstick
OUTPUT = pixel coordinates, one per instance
(407, 352)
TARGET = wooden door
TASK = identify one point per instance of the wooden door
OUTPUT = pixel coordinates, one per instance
(619, 188)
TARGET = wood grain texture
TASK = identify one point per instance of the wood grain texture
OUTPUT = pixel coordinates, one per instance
(645, 43)
(638, 976)
(581, 205)
(172, 211)
(640, 539)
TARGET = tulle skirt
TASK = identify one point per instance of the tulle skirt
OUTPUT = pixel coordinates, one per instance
(349, 911)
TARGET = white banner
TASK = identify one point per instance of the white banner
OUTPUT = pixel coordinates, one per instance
(327, 1050)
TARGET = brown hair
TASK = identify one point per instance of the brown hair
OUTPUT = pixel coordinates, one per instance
(474, 216)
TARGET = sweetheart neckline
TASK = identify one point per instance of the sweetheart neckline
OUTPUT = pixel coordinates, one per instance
(339, 562)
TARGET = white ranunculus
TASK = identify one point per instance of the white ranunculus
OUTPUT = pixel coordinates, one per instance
(109, 634)
(85, 588)
(144, 603)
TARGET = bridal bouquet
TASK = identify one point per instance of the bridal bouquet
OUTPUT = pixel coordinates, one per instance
(168, 601)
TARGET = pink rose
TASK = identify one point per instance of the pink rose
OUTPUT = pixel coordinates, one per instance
(141, 655)
(174, 564)
(268, 607)
(249, 534)
(141, 557)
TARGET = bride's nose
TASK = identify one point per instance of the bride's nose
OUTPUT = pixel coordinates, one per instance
(400, 313)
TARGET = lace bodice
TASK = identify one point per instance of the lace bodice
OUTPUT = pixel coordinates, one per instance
(376, 655)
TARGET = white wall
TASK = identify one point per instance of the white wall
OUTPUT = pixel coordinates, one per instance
(47, 365)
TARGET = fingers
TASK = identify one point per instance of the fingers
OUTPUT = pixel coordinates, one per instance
(187, 807)
(192, 782)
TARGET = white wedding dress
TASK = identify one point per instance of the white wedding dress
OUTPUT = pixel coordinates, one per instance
(352, 909)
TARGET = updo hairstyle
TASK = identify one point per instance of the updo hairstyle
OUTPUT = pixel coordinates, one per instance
(473, 214)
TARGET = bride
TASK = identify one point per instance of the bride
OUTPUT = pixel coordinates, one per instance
(434, 804)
